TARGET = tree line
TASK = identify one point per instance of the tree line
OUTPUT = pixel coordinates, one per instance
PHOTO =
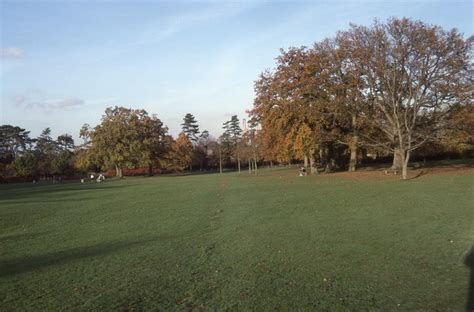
(399, 88)
(392, 88)
(126, 138)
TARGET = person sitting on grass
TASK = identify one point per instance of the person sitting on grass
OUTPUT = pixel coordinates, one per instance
(302, 171)
(101, 178)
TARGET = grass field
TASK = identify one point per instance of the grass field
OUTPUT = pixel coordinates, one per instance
(266, 242)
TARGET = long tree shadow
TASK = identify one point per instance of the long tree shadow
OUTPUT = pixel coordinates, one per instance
(20, 236)
(46, 190)
(196, 173)
(26, 264)
(469, 261)
(60, 199)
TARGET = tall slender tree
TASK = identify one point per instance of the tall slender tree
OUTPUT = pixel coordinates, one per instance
(190, 127)
(232, 137)
(46, 152)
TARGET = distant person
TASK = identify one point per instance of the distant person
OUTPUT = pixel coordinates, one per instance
(302, 171)
(100, 178)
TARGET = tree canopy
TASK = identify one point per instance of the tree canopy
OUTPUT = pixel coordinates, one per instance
(390, 86)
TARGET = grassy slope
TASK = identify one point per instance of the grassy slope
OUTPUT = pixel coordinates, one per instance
(265, 242)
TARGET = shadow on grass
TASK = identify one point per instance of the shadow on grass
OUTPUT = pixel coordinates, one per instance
(454, 163)
(24, 192)
(60, 201)
(196, 173)
(469, 261)
(440, 167)
(21, 236)
(27, 264)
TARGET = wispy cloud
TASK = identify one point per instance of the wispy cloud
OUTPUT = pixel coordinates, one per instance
(101, 101)
(34, 99)
(53, 105)
(11, 53)
(189, 19)
(163, 29)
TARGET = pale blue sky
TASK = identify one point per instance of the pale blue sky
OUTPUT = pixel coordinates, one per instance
(64, 62)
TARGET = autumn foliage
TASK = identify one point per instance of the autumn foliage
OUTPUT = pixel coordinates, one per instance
(392, 87)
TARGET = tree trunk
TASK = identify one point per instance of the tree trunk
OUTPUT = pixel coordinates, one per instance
(118, 171)
(220, 161)
(321, 156)
(250, 166)
(405, 159)
(353, 158)
(305, 161)
(311, 164)
(397, 160)
(238, 163)
(328, 168)
(255, 165)
(353, 146)
(150, 170)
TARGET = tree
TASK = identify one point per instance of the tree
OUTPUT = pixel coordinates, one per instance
(153, 145)
(46, 152)
(224, 146)
(413, 74)
(114, 141)
(13, 140)
(181, 152)
(126, 138)
(346, 101)
(85, 160)
(85, 134)
(65, 142)
(63, 163)
(26, 164)
(190, 127)
(304, 144)
(263, 113)
(255, 143)
(458, 135)
(232, 137)
(249, 146)
(201, 150)
(293, 104)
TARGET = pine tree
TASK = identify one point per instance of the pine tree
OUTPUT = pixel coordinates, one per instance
(190, 127)
(232, 137)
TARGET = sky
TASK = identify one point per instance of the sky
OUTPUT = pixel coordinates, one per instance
(62, 63)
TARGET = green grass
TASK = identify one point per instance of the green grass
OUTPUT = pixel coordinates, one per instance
(266, 242)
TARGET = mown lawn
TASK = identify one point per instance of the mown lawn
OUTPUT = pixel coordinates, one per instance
(269, 242)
